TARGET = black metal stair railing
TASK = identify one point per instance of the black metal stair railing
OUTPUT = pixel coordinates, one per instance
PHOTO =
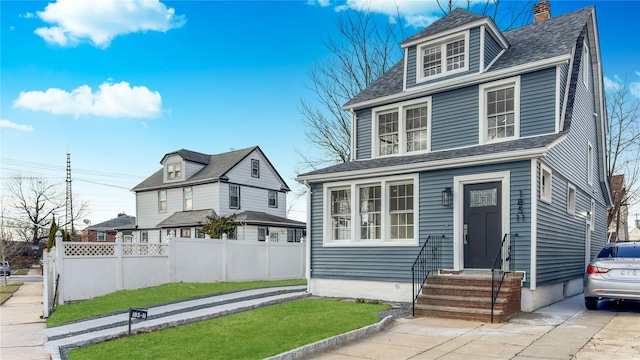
(500, 268)
(429, 260)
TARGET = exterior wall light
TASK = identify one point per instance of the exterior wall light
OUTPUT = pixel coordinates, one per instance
(446, 196)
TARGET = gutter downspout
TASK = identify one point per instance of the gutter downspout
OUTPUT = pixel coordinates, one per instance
(352, 153)
(308, 238)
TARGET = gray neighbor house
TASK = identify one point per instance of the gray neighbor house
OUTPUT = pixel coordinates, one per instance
(476, 138)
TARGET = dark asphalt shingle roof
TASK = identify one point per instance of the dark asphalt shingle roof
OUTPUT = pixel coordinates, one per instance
(187, 218)
(454, 19)
(121, 222)
(192, 156)
(494, 148)
(261, 218)
(533, 42)
(216, 166)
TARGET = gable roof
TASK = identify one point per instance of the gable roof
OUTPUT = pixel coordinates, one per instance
(538, 41)
(215, 169)
(457, 17)
(121, 222)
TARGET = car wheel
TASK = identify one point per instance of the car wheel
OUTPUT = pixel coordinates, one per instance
(591, 303)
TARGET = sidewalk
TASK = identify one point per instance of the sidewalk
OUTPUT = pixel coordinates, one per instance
(20, 324)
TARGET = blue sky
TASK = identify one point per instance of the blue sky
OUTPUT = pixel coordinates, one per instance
(119, 84)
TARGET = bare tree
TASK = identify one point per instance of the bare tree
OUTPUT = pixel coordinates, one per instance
(623, 146)
(35, 201)
(366, 48)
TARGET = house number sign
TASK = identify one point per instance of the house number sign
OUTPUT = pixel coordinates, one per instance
(140, 314)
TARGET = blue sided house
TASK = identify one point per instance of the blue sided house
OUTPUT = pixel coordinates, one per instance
(480, 155)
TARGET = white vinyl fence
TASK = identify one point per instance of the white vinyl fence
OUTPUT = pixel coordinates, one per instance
(76, 271)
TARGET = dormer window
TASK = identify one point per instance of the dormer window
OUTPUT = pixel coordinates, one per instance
(443, 57)
(174, 171)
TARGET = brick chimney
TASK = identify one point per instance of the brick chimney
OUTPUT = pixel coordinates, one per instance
(541, 11)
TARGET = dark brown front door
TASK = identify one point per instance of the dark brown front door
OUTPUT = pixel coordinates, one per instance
(482, 224)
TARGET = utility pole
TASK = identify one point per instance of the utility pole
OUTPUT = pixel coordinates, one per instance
(69, 199)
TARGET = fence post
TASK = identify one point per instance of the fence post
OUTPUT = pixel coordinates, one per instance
(59, 267)
(225, 255)
(119, 268)
(46, 300)
(267, 241)
(171, 266)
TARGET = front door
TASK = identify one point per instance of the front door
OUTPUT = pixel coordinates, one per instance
(482, 226)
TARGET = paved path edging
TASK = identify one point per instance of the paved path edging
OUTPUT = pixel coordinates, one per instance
(333, 341)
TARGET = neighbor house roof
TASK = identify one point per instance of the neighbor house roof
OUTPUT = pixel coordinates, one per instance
(187, 218)
(123, 221)
(530, 43)
(215, 168)
(261, 218)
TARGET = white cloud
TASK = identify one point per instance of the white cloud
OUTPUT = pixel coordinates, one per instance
(617, 83)
(634, 88)
(10, 125)
(322, 3)
(75, 21)
(110, 100)
(26, 15)
(610, 84)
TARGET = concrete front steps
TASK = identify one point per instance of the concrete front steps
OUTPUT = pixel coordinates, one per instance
(467, 296)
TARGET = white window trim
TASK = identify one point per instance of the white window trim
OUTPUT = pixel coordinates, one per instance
(592, 215)
(589, 163)
(166, 202)
(442, 42)
(184, 198)
(384, 225)
(544, 197)
(585, 62)
(269, 199)
(482, 96)
(257, 168)
(174, 177)
(402, 131)
(571, 204)
(239, 198)
(104, 236)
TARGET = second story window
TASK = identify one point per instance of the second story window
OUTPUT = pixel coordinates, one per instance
(234, 196)
(255, 168)
(174, 171)
(188, 198)
(162, 201)
(500, 110)
(402, 129)
(273, 199)
(442, 57)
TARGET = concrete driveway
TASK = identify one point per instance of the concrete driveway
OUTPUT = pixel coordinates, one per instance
(565, 330)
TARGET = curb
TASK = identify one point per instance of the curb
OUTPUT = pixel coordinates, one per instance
(334, 341)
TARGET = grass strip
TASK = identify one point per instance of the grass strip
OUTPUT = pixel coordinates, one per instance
(6, 291)
(21, 272)
(141, 298)
(255, 334)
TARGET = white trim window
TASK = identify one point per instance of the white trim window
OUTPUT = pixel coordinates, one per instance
(589, 163)
(383, 210)
(442, 57)
(188, 198)
(262, 233)
(340, 212)
(144, 237)
(273, 199)
(546, 179)
(255, 168)
(101, 236)
(571, 199)
(234, 196)
(162, 201)
(185, 232)
(402, 128)
(174, 171)
(500, 110)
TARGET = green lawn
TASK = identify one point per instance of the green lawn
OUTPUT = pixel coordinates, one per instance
(253, 334)
(7, 291)
(125, 299)
(21, 272)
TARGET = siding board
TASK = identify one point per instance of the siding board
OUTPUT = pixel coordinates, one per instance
(537, 102)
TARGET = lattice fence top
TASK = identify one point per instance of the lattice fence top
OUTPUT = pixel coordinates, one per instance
(90, 249)
(145, 249)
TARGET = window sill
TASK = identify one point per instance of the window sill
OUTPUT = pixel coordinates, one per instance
(378, 243)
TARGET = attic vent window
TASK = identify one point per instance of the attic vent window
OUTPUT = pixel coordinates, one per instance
(255, 168)
(443, 57)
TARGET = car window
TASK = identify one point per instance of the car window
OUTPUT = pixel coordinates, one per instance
(620, 252)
